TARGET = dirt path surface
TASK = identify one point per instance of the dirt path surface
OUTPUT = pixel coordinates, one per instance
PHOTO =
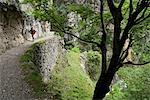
(12, 85)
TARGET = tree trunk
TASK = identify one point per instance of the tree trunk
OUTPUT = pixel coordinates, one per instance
(102, 85)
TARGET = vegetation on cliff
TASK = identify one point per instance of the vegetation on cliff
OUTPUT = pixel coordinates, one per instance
(112, 31)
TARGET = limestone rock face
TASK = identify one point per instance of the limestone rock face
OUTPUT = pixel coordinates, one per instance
(10, 28)
(16, 24)
(83, 61)
(46, 54)
(73, 22)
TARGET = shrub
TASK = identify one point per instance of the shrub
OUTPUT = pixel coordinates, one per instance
(138, 84)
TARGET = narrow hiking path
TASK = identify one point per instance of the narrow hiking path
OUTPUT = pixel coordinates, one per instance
(12, 84)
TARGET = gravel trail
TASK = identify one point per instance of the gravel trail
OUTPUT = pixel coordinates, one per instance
(12, 85)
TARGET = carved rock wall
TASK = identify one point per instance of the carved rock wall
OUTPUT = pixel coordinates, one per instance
(15, 24)
(10, 27)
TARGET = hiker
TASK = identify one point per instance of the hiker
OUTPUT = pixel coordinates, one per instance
(33, 33)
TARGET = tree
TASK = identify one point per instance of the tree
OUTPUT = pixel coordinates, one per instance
(120, 36)
(138, 12)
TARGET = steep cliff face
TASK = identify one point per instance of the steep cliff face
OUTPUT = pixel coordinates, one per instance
(15, 24)
(11, 25)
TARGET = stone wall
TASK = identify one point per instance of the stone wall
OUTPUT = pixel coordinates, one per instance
(46, 54)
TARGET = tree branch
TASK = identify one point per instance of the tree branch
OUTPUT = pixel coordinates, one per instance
(132, 18)
(65, 32)
(142, 16)
(121, 4)
(87, 41)
(132, 63)
(112, 7)
(131, 8)
(139, 21)
(126, 51)
(103, 42)
(102, 21)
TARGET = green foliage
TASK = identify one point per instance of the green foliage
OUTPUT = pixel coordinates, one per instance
(75, 49)
(45, 11)
(94, 64)
(84, 10)
(68, 81)
(27, 56)
(141, 46)
(138, 84)
(115, 94)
